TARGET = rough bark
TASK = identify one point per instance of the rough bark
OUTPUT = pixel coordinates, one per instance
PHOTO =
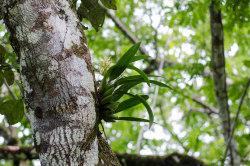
(174, 159)
(58, 81)
(219, 75)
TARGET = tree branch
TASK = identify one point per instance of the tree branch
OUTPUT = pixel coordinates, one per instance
(210, 108)
(126, 32)
(7, 136)
(174, 159)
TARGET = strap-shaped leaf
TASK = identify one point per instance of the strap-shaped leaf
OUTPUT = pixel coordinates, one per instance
(106, 100)
(140, 57)
(123, 62)
(109, 91)
(139, 79)
(123, 90)
(111, 4)
(133, 119)
(129, 103)
(149, 110)
(160, 84)
(144, 76)
(128, 79)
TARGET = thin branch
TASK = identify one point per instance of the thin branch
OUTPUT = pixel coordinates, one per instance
(10, 90)
(204, 105)
(195, 109)
(236, 118)
(125, 31)
(210, 109)
(8, 138)
(139, 140)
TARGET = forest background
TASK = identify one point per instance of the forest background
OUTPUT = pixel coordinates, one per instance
(178, 37)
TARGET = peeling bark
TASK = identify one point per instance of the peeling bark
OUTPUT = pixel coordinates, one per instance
(57, 78)
(219, 74)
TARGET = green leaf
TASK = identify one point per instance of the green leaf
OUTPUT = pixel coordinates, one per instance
(128, 79)
(129, 103)
(123, 90)
(140, 57)
(111, 4)
(110, 118)
(160, 84)
(109, 91)
(2, 54)
(106, 100)
(137, 80)
(92, 11)
(133, 119)
(144, 76)
(1, 78)
(149, 110)
(246, 63)
(9, 76)
(112, 106)
(123, 62)
(13, 110)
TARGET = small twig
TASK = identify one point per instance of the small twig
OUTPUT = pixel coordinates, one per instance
(245, 155)
(10, 90)
(235, 120)
(203, 104)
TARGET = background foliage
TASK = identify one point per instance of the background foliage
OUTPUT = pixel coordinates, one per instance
(177, 33)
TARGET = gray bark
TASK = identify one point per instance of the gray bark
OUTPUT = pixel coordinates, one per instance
(219, 75)
(58, 81)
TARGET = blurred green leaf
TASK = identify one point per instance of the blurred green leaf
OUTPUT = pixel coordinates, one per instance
(144, 76)
(133, 119)
(160, 84)
(111, 4)
(9, 76)
(246, 63)
(140, 57)
(13, 110)
(1, 78)
(129, 103)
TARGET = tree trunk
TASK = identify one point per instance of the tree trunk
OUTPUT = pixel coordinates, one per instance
(219, 74)
(58, 81)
